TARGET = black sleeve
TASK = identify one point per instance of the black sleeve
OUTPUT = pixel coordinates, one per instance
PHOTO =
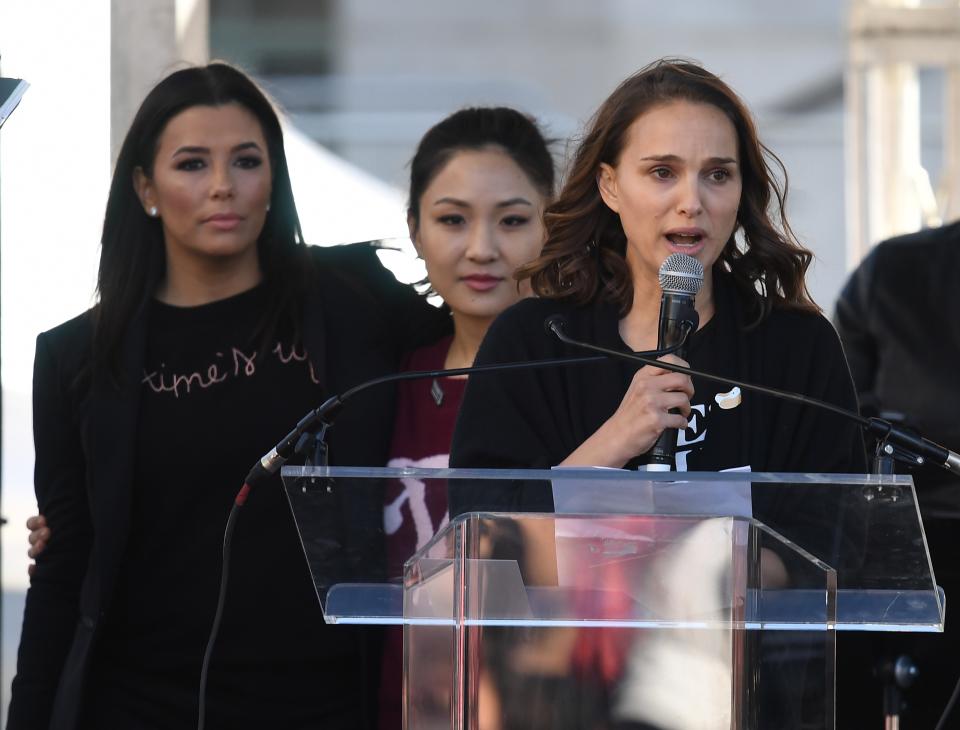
(808, 440)
(410, 321)
(849, 454)
(505, 421)
(852, 318)
(52, 603)
(804, 438)
(510, 420)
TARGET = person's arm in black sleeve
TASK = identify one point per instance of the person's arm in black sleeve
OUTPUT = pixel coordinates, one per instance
(849, 454)
(825, 520)
(852, 318)
(507, 420)
(52, 603)
(409, 319)
(805, 438)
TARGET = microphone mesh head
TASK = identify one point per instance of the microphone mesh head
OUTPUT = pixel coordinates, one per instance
(682, 274)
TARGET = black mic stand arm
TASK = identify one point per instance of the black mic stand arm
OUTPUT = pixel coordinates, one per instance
(901, 441)
(309, 435)
(893, 443)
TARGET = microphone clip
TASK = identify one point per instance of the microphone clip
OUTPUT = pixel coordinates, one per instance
(313, 447)
(887, 454)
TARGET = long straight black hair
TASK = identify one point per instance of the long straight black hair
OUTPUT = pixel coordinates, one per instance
(132, 257)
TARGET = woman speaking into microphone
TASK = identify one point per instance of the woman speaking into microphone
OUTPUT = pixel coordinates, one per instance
(670, 163)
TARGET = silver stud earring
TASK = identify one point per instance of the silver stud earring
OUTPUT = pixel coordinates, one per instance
(268, 207)
(153, 211)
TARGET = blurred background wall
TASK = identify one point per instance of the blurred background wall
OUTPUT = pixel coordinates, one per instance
(362, 80)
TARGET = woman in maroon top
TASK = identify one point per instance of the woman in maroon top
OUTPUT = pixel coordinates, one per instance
(478, 184)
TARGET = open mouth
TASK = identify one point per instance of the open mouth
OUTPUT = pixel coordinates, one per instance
(680, 239)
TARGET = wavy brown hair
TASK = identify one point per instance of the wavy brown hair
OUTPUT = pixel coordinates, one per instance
(584, 254)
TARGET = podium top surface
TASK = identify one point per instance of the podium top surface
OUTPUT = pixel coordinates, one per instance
(562, 546)
(600, 474)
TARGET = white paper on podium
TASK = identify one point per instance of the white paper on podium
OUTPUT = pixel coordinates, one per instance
(637, 496)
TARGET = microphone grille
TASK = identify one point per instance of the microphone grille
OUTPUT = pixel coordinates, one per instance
(681, 273)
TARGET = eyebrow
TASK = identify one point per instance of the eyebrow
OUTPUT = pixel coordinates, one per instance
(193, 150)
(464, 204)
(676, 158)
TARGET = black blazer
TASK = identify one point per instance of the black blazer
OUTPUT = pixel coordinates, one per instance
(356, 321)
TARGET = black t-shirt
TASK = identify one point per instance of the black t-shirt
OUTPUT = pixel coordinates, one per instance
(536, 418)
(211, 405)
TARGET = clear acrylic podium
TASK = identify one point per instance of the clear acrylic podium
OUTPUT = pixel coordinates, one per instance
(607, 599)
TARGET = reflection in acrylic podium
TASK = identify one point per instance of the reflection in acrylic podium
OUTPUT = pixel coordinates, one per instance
(668, 601)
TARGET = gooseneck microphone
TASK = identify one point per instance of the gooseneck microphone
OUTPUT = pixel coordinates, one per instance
(316, 423)
(681, 277)
(320, 419)
(915, 449)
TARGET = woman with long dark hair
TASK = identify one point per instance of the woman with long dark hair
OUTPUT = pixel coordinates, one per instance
(215, 330)
(671, 163)
(479, 182)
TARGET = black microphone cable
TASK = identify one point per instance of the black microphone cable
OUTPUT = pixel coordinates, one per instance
(321, 419)
(948, 710)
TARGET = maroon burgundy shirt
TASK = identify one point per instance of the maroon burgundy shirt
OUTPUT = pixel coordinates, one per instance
(413, 511)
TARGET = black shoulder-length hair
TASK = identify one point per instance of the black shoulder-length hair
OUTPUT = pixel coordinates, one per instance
(132, 258)
(508, 130)
(477, 128)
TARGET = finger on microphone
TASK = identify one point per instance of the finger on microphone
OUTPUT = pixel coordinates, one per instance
(680, 401)
(678, 421)
(676, 382)
(673, 360)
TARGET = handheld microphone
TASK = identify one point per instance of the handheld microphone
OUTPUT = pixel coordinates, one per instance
(681, 277)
